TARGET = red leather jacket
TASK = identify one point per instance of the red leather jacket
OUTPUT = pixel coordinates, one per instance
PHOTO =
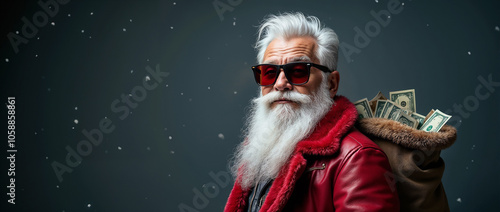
(335, 169)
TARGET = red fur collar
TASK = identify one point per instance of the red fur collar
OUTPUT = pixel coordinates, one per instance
(325, 140)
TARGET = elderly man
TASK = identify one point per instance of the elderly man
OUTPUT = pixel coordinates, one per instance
(301, 151)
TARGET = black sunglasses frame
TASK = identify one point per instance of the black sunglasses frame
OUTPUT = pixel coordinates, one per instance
(256, 70)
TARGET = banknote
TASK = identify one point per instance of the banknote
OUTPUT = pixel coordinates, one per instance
(428, 115)
(387, 108)
(394, 112)
(404, 98)
(379, 107)
(363, 108)
(401, 107)
(406, 119)
(420, 119)
(435, 121)
(373, 102)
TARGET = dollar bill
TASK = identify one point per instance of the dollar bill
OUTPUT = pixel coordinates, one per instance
(406, 119)
(379, 107)
(420, 119)
(435, 121)
(405, 99)
(394, 112)
(387, 107)
(428, 115)
(363, 108)
(373, 102)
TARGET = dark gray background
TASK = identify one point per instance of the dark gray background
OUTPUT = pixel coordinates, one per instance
(157, 157)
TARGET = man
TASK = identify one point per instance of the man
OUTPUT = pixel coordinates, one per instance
(301, 152)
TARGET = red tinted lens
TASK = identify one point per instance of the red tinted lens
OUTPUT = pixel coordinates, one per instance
(265, 74)
(297, 73)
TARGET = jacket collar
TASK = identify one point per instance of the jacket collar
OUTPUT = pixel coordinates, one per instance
(326, 136)
(324, 140)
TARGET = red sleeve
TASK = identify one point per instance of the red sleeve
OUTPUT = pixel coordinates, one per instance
(363, 183)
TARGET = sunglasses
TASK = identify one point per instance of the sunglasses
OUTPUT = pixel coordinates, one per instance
(296, 73)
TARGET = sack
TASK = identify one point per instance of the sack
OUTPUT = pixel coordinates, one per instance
(415, 160)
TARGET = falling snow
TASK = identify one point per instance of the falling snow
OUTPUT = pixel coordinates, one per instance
(169, 137)
(147, 78)
(69, 14)
(131, 71)
(459, 200)
(76, 108)
(468, 53)
(53, 23)
(221, 136)
(208, 87)
(83, 31)
(171, 27)
(147, 148)
(174, 3)
(89, 205)
(6, 60)
(124, 29)
(166, 85)
(46, 158)
(130, 20)
(376, 1)
(76, 121)
(119, 148)
(497, 28)
(234, 23)
(235, 92)
(91, 13)
(172, 152)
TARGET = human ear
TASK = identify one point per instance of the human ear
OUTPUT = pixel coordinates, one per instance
(333, 82)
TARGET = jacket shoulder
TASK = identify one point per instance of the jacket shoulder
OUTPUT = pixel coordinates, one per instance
(357, 140)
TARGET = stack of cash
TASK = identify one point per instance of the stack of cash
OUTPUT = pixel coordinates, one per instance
(401, 107)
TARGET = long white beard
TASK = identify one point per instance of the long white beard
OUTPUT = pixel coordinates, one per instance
(272, 134)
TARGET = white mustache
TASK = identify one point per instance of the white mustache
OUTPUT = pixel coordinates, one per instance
(293, 96)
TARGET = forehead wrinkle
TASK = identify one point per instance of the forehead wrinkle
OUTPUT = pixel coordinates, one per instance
(297, 53)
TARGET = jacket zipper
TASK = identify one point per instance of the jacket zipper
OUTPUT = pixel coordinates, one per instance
(323, 166)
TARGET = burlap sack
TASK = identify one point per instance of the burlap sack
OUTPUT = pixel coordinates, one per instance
(415, 159)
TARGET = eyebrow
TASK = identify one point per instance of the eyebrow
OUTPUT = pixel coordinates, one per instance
(291, 60)
(300, 59)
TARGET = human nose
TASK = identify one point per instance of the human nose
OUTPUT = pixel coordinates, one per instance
(282, 83)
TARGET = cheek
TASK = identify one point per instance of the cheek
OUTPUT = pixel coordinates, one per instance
(265, 90)
(313, 84)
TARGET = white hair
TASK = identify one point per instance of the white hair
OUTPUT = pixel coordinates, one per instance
(290, 25)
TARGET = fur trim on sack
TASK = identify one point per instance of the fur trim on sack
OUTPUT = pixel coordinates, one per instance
(406, 136)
